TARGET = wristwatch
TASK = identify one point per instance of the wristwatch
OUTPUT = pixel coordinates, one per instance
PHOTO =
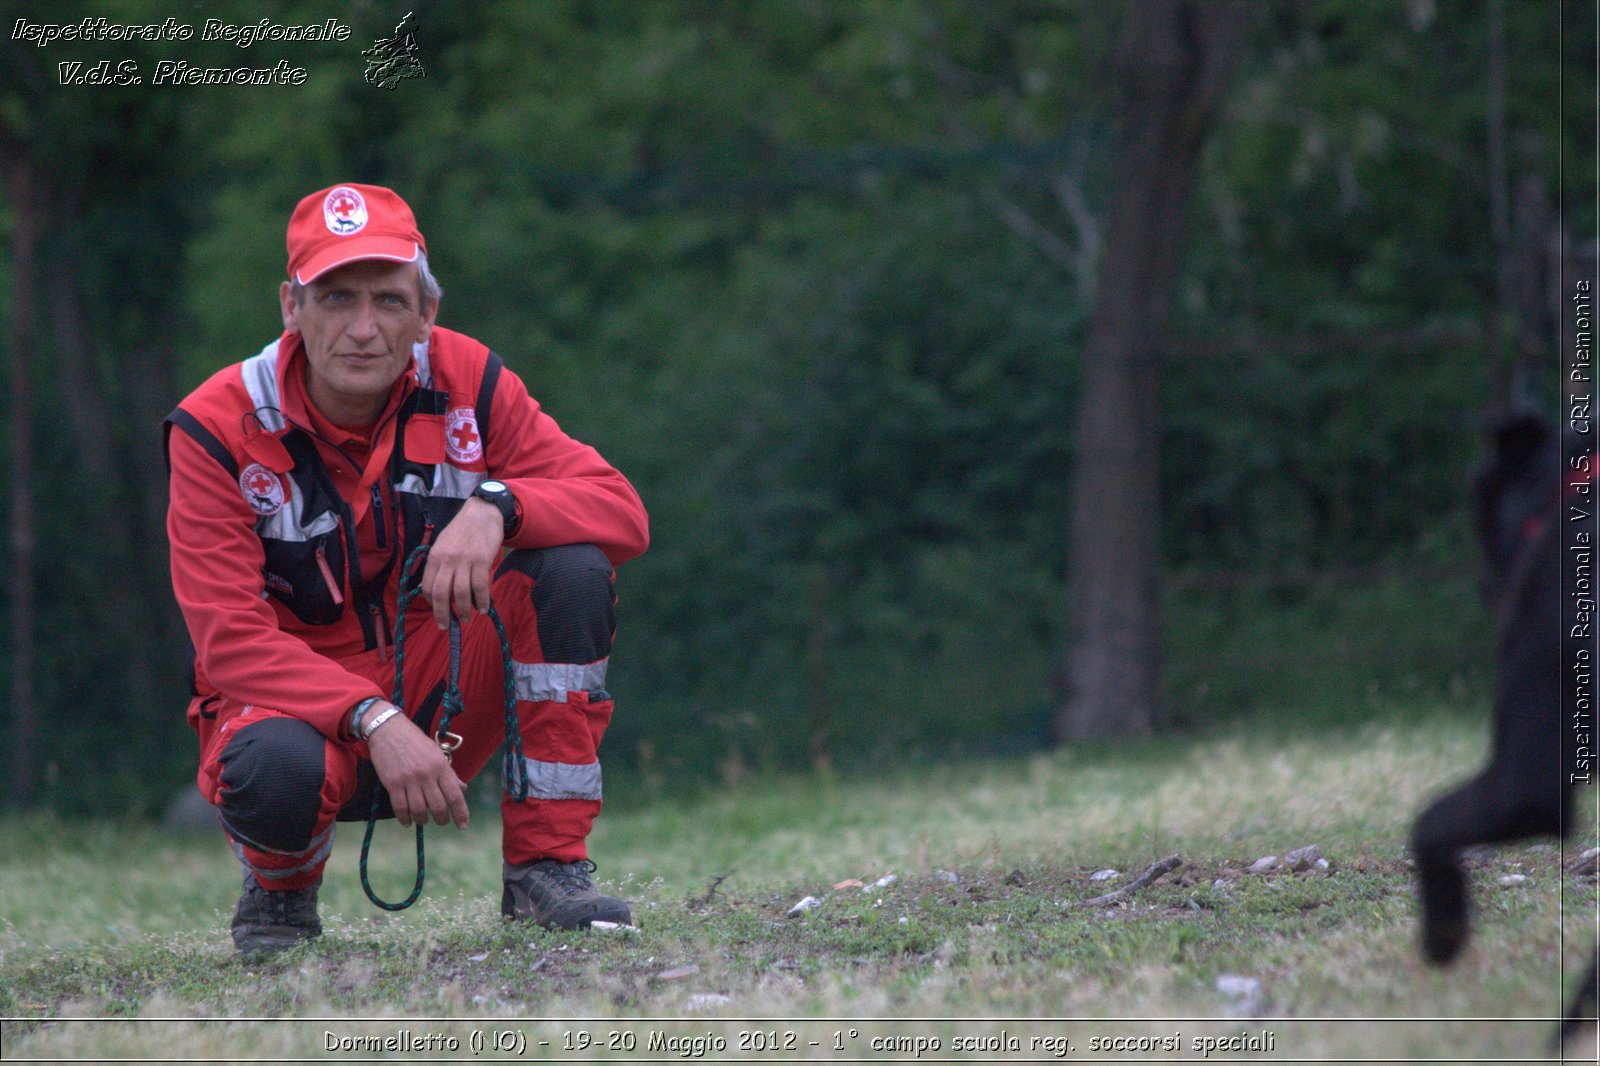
(497, 493)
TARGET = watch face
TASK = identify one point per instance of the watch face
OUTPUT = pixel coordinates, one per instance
(492, 486)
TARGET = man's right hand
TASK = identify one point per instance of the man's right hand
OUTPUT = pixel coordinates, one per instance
(416, 773)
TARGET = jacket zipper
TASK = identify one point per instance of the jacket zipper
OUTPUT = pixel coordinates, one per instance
(374, 618)
(377, 516)
(382, 629)
(327, 576)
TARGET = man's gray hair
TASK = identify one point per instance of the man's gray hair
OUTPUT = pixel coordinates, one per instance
(429, 284)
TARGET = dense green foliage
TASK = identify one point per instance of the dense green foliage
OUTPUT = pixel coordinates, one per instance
(768, 259)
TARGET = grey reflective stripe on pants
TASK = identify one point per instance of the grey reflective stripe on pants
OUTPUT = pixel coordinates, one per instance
(558, 780)
(552, 681)
(317, 854)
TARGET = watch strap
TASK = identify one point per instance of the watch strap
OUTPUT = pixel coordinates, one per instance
(353, 726)
(506, 502)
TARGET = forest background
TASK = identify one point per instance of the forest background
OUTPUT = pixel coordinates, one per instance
(822, 278)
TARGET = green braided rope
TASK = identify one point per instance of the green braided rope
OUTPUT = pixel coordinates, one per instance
(450, 706)
(378, 791)
(514, 765)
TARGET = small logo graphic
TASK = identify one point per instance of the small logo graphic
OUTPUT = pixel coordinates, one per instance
(262, 489)
(344, 211)
(461, 440)
(391, 60)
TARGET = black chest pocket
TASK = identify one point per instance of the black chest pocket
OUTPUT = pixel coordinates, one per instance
(307, 576)
(306, 558)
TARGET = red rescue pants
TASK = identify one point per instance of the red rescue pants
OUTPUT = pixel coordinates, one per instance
(279, 784)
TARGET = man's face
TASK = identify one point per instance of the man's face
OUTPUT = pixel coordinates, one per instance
(358, 322)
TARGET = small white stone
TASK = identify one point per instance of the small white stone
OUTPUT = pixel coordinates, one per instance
(1263, 864)
(1104, 875)
(882, 882)
(1302, 858)
(1514, 879)
(1244, 993)
(703, 1000)
(809, 903)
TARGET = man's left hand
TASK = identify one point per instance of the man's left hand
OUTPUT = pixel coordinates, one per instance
(462, 561)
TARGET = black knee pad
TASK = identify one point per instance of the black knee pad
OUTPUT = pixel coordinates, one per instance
(272, 774)
(574, 598)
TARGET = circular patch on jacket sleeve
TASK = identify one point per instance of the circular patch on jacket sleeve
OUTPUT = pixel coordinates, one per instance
(462, 442)
(262, 489)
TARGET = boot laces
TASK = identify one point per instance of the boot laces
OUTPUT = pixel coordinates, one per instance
(570, 877)
(293, 907)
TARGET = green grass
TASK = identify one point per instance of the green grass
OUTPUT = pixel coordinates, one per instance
(127, 923)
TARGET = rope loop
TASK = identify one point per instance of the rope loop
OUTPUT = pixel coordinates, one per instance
(450, 706)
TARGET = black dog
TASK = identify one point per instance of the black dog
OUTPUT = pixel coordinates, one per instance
(1526, 786)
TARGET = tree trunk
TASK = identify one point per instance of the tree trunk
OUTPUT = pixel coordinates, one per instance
(819, 640)
(1175, 58)
(21, 180)
(1504, 388)
(1535, 236)
(129, 557)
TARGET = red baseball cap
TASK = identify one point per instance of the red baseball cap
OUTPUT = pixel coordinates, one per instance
(344, 223)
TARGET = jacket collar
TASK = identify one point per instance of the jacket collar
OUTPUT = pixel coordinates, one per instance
(295, 400)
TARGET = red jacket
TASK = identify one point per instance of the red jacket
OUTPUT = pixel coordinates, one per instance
(288, 533)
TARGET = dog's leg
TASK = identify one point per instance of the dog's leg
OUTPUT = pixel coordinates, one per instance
(1437, 837)
(1495, 806)
(1582, 1008)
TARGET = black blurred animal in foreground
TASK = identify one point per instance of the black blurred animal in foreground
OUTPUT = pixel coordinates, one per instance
(1524, 494)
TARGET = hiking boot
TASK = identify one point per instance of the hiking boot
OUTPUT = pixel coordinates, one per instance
(559, 895)
(267, 922)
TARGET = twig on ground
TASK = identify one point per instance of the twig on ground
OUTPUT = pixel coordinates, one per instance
(711, 891)
(1156, 872)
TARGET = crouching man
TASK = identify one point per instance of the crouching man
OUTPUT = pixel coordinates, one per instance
(301, 480)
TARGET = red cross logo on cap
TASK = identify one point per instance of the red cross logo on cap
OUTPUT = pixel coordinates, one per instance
(462, 441)
(262, 489)
(344, 211)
